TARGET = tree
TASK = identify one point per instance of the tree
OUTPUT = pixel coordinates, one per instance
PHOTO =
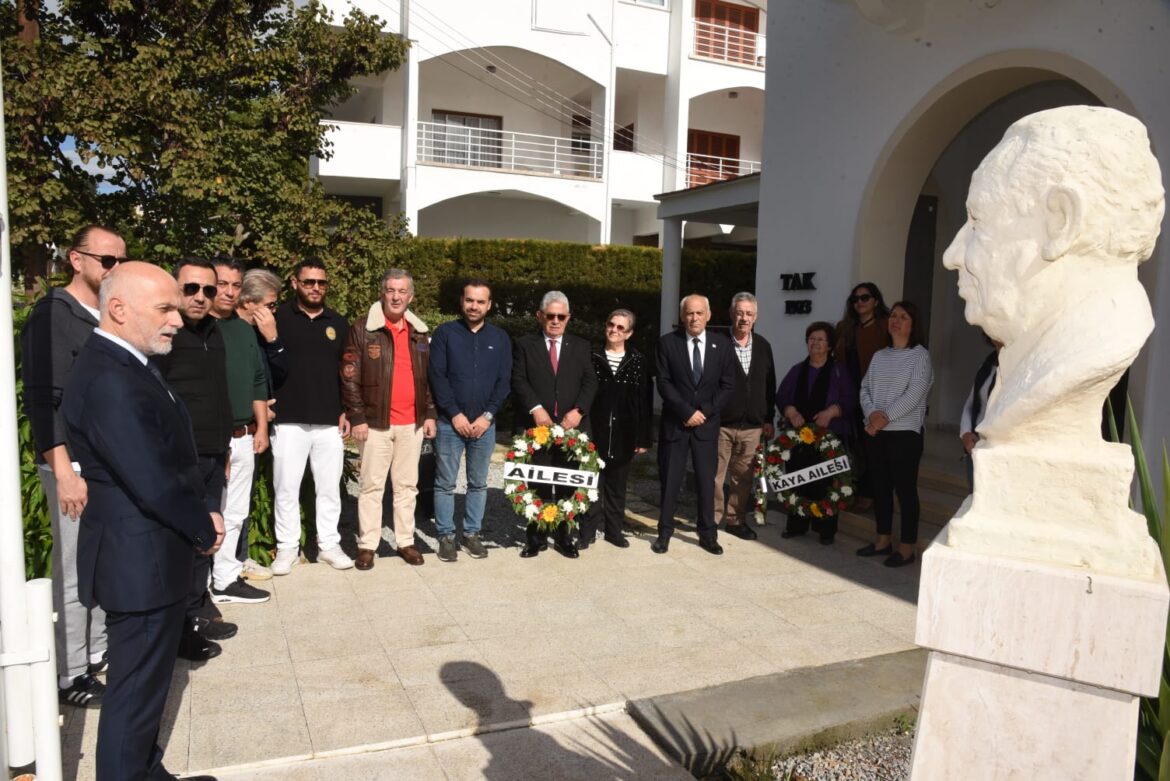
(187, 124)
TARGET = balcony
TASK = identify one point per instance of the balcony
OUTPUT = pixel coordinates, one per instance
(729, 44)
(503, 150)
(362, 150)
(704, 169)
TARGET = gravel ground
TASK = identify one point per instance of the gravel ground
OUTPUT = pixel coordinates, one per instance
(881, 757)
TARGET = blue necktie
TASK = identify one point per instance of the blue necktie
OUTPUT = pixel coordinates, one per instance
(696, 362)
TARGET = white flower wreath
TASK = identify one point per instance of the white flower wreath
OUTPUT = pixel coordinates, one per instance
(523, 498)
(770, 466)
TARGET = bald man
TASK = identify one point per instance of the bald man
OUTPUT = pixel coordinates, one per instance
(147, 516)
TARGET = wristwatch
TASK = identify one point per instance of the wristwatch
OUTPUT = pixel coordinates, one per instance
(489, 417)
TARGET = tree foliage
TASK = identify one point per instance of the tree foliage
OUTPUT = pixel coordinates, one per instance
(186, 124)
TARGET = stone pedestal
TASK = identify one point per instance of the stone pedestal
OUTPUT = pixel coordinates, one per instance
(1035, 668)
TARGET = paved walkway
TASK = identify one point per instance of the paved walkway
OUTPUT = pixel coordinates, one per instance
(405, 664)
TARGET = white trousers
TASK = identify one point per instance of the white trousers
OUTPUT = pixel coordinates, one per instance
(237, 500)
(292, 444)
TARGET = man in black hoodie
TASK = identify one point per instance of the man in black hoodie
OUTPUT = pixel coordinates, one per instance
(196, 369)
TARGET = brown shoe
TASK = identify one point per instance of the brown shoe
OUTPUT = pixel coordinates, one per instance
(364, 560)
(411, 555)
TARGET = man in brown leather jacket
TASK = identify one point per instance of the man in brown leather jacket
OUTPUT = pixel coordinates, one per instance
(388, 403)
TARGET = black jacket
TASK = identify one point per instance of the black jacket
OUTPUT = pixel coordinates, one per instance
(681, 395)
(754, 402)
(621, 410)
(196, 369)
(52, 337)
(534, 383)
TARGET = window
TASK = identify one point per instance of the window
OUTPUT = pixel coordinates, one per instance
(582, 133)
(623, 138)
(726, 31)
(465, 139)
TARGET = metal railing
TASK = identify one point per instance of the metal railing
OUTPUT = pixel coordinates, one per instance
(704, 169)
(729, 44)
(504, 150)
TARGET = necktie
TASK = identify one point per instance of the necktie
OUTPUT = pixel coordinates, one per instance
(552, 354)
(161, 380)
(696, 361)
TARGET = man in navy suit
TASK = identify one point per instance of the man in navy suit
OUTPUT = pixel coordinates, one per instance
(147, 516)
(554, 382)
(696, 379)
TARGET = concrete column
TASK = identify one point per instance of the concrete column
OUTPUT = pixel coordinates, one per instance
(672, 238)
(407, 199)
(676, 104)
(601, 132)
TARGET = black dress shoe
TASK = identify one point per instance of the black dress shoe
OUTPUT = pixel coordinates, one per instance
(742, 530)
(530, 550)
(660, 545)
(711, 546)
(898, 560)
(582, 543)
(787, 535)
(566, 549)
(619, 542)
(871, 550)
(826, 540)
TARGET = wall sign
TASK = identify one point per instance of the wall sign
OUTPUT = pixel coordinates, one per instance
(801, 280)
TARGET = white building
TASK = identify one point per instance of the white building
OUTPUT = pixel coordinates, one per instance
(552, 119)
(880, 111)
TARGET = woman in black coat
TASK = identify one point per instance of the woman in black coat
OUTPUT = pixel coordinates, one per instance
(621, 415)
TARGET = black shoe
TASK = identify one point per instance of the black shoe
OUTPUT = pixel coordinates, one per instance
(788, 535)
(711, 546)
(566, 549)
(531, 549)
(85, 691)
(618, 542)
(898, 560)
(742, 530)
(214, 630)
(583, 543)
(871, 550)
(826, 540)
(99, 667)
(660, 545)
(195, 648)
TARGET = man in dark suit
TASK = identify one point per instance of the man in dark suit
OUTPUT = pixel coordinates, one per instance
(147, 516)
(553, 379)
(696, 379)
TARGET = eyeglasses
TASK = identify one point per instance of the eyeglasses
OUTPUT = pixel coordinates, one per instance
(270, 306)
(321, 283)
(621, 329)
(191, 288)
(559, 317)
(107, 261)
(817, 340)
(862, 298)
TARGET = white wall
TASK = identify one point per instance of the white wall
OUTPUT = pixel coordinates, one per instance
(855, 96)
(497, 217)
(742, 116)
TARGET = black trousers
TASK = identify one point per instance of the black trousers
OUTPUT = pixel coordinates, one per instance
(672, 462)
(608, 512)
(799, 524)
(211, 468)
(894, 460)
(549, 493)
(143, 647)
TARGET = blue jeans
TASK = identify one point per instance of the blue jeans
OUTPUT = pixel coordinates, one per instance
(449, 448)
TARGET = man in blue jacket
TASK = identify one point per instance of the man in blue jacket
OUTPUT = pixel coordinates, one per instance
(470, 373)
(147, 514)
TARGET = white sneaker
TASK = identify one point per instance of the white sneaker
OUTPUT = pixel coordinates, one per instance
(253, 570)
(285, 560)
(335, 557)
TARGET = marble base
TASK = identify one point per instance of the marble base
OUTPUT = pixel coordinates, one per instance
(1035, 669)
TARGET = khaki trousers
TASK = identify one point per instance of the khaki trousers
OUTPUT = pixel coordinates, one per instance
(737, 448)
(395, 451)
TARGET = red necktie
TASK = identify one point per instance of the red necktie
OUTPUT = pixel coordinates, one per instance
(552, 354)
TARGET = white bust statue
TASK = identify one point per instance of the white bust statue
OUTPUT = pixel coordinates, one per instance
(1060, 214)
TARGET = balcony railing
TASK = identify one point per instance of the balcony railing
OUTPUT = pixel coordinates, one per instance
(704, 169)
(729, 44)
(503, 150)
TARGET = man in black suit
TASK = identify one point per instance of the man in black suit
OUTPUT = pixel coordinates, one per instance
(147, 515)
(553, 379)
(695, 380)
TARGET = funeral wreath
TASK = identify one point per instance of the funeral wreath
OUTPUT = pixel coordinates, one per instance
(522, 496)
(810, 445)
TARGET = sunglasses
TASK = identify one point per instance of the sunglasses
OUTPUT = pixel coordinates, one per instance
(864, 297)
(560, 318)
(107, 261)
(321, 283)
(191, 288)
(621, 329)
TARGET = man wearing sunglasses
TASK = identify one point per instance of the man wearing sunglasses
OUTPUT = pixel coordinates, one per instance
(58, 326)
(553, 379)
(196, 369)
(310, 423)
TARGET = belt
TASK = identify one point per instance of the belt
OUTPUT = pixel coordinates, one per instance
(240, 431)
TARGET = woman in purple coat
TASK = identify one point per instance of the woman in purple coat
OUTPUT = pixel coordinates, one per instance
(819, 391)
